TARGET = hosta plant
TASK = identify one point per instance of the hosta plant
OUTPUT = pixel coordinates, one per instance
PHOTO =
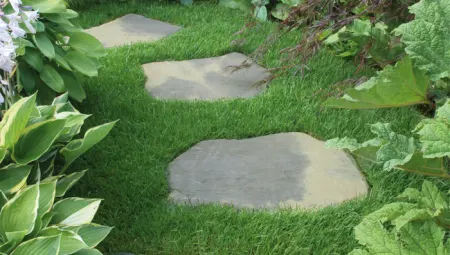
(51, 59)
(418, 224)
(36, 148)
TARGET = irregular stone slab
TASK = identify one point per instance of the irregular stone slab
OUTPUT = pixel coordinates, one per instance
(281, 170)
(205, 79)
(130, 29)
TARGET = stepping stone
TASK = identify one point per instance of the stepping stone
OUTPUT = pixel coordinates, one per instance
(282, 170)
(205, 79)
(130, 29)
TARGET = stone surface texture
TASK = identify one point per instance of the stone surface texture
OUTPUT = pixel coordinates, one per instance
(282, 170)
(205, 79)
(130, 29)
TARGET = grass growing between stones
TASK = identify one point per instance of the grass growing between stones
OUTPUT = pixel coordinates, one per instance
(128, 169)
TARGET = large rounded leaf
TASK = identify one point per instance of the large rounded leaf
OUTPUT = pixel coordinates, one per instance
(81, 63)
(261, 13)
(36, 140)
(15, 120)
(75, 211)
(87, 44)
(44, 44)
(13, 178)
(17, 217)
(41, 245)
(52, 78)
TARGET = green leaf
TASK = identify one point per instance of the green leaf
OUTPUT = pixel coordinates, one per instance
(77, 147)
(81, 63)
(41, 245)
(67, 182)
(52, 78)
(281, 11)
(236, 4)
(424, 236)
(46, 6)
(27, 77)
(70, 242)
(72, 85)
(75, 211)
(34, 59)
(13, 178)
(88, 252)
(186, 2)
(434, 134)
(412, 215)
(93, 234)
(58, 18)
(60, 60)
(397, 86)
(426, 37)
(61, 99)
(15, 120)
(17, 217)
(432, 197)
(46, 197)
(36, 140)
(3, 152)
(44, 44)
(261, 13)
(87, 44)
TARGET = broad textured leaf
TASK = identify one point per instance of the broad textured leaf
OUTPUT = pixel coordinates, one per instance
(423, 237)
(67, 182)
(435, 134)
(77, 147)
(75, 211)
(44, 44)
(46, 6)
(17, 217)
(15, 120)
(40, 245)
(412, 215)
(281, 11)
(81, 63)
(87, 44)
(13, 178)
(397, 86)
(36, 140)
(432, 197)
(426, 37)
(93, 234)
(427, 166)
(52, 78)
(70, 241)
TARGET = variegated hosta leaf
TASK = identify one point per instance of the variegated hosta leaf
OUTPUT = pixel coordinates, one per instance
(13, 178)
(41, 245)
(65, 183)
(395, 86)
(70, 241)
(93, 234)
(426, 37)
(75, 211)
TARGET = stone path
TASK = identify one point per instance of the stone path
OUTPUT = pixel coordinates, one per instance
(205, 79)
(130, 29)
(281, 170)
(285, 170)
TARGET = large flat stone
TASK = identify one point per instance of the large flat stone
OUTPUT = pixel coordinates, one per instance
(130, 29)
(281, 170)
(205, 79)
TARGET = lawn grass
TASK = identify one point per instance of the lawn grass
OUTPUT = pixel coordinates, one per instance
(128, 169)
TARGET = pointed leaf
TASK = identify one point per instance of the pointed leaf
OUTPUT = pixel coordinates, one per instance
(87, 44)
(81, 63)
(70, 242)
(77, 147)
(44, 45)
(41, 245)
(67, 182)
(13, 178)
(93, 234)
(52, 78)
(75, 211)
